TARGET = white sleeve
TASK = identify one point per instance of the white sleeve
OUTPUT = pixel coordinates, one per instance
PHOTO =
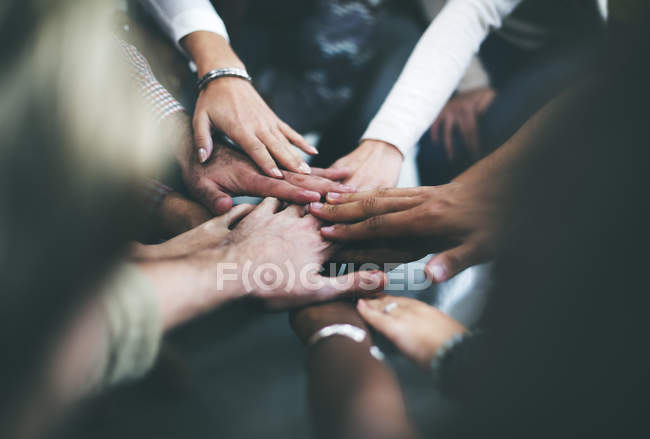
(434, 70)
(178, 18)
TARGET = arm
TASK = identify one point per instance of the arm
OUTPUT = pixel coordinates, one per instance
(230, 105)
(424, 87)
(229, 173)
(434, 70)
(179, 18)
(463, 222)
(352, 394)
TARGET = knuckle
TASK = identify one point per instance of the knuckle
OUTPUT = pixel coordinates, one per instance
(369, 205)
(375, 222)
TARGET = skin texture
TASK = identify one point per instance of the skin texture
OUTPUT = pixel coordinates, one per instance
(462, 114)
(230, 173)
(374, 164)
(352, 395)
(417, 329)
(233, 106)
(462, 221)
(191, 275)
(452, 219)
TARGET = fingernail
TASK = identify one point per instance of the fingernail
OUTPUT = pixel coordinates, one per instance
(328, 229)
(333, 195)
(438, 272)
(304, 168)
(203, 155)
(276, 172)
(315, 206)
(313, 149)
(313, 195)
(346, 187)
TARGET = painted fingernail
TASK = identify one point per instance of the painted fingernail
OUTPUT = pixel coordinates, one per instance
(304, 168)
(438, 273)
(276, 172)
(203, 155)
(316, 206)
(328, 229)
(333, 195)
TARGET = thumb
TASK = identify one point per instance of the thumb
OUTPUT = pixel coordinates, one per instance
(360, 282)
(448, 264)
(213, 198)
(202, 136)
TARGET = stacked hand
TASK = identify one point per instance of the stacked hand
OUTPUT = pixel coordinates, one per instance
(272, 255)
(374, 164)
(230, 173)
(417, 329)
(456, 219)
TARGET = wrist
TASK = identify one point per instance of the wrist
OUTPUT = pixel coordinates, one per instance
(381, 147)
(210, 51)
(307, 321)
(190, 286)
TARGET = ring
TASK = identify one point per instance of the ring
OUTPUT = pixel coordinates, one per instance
(388, 308)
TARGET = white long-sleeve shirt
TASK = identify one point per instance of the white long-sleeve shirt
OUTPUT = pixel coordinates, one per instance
(434, 69)
(179, 18)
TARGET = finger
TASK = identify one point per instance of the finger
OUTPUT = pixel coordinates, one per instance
(386, 323)
(284, 152)
(448, 264)
(213, 198)
(237, 213)
(334, 174)
(262, 186)
(317, 184)
(257, 151)
(380, 303)
(357, 283)
(201, 126)
(449, 137)
(296, 138)
(388, 225)
(297, 210)
(435, 129)
(268, 206)
(360, 210)
(469, 133)
(338, 198)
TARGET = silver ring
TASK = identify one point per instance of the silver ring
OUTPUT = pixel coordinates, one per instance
(388, 308)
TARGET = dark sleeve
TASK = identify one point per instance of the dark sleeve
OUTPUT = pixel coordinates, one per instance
(456, 367)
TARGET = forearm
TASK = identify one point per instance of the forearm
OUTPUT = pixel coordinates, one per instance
(185, 286)
(210, 51)
(352, 394)
(434, 70)
(179, 18)
(521, 153)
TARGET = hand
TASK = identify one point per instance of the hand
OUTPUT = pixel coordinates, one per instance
(233, 106)
(463, 112)
(230, 173)
(177, 215)
(459, 220)
(417, 329)
(211, 265)
(374, 164)
(290, 240)
(204, 235)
